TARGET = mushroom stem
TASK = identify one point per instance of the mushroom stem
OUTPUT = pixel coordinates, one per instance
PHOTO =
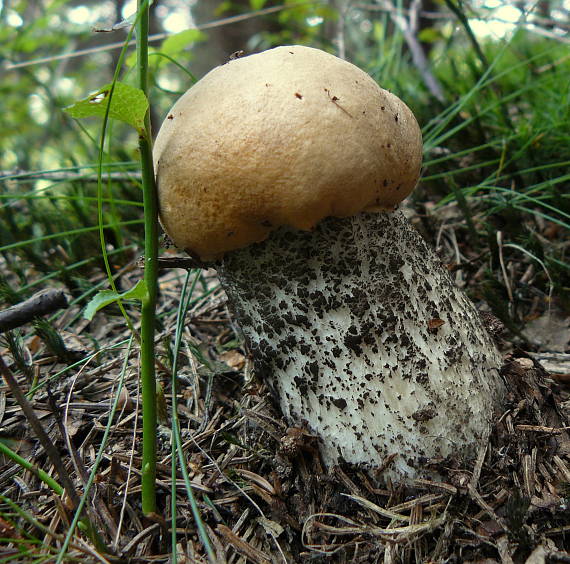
(364, 338)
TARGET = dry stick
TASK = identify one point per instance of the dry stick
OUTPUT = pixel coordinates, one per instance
(409, 30)
(39, 304)
(242, 547)
(42, 436)
(157, 36)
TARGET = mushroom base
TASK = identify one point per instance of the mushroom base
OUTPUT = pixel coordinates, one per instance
(366, 341)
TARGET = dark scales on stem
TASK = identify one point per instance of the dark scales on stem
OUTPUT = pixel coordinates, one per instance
(338, 323)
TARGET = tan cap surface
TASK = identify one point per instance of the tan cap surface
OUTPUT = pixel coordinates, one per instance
(285, 137)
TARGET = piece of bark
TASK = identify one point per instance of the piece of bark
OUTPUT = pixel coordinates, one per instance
(39, 304)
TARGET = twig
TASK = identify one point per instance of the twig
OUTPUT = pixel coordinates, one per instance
(532, 19)
(39, 304)
(409, 30)
(541, 429)
(155, 37)
(503, 269)
(339, 31)
(242, 547)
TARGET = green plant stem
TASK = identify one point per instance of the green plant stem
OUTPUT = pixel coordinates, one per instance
(43, 476)
(148, 312)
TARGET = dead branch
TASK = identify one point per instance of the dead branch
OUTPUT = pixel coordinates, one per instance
(39, 304)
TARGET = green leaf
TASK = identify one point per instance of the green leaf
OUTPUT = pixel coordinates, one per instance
(429, 35)
(132, 58)
(257, 4)
(128, 104)
(176, 43)
(222, 8)
(106, 297)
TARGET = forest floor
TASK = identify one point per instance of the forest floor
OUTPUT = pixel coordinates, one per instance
(261, 489)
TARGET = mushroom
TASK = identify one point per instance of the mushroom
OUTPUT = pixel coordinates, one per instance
(282, 170)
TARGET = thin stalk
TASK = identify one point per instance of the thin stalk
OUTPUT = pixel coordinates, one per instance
(113, 225)
(63, 234)
(43, 476)
(173, 501)
(148, 311)
(177, 451)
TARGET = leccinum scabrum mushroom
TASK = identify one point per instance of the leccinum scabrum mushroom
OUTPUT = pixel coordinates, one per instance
(283, 168)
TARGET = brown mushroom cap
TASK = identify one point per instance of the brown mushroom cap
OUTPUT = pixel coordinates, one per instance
(285, 137)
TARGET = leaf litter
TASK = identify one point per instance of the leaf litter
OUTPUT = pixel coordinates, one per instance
(262, 490)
